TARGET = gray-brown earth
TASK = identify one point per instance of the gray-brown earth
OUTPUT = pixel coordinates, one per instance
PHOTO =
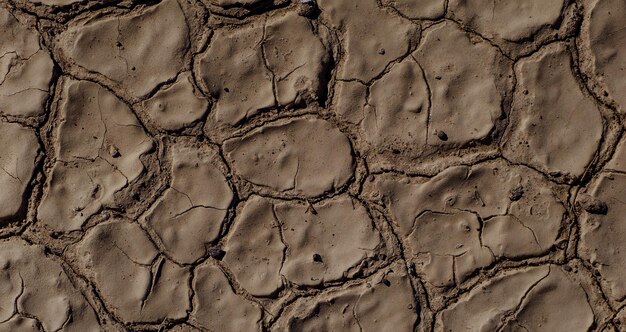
(302, 165)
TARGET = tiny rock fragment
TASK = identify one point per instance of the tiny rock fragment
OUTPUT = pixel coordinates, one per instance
(593, 205)
(217, 253)
(516, 193)
(308, 8)
(113, 151)
(317, 258)
(442, 135)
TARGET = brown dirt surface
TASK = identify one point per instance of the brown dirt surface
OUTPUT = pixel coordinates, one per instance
(312, 165)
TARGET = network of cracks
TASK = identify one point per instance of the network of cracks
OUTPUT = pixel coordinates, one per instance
(329, 165)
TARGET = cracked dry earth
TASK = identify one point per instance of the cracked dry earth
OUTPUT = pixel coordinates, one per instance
(329, 165)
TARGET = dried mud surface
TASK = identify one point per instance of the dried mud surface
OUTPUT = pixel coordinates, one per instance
(328, 165)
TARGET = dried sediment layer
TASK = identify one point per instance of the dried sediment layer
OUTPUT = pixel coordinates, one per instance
(99, 142)
(302, 156)
(25, 69)
(602, 38)
(134, 280)
(507, 20)
(274, 62)
(307, 245)
(124, 51)
(37, 293)
(551, 115)
(468, 81)
(487, 212)
(20, 149)
(530, 299)
(189, 214)
(273, 165)
(386, 302)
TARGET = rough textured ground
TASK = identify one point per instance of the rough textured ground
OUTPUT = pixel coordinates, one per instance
(329, 165)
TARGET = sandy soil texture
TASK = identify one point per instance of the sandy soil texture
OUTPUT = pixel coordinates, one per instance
(312, 165)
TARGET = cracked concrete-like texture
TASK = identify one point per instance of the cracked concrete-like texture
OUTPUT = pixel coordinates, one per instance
(312, 165)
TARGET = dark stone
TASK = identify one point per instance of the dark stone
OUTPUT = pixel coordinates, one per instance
(516, 193)
(217, 253)
(593, 205)
(308, 9)
(442, 135)
(412, 270)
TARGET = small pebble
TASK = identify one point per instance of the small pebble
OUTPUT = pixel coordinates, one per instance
(442, 135)
(114, 152)
(567, 268)
(412, 270)
(106, 215)
(308, 9)
(381, 51)
(597, 207)
(317, 258)
(593, 205)
(217, 253)
(516, 193)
